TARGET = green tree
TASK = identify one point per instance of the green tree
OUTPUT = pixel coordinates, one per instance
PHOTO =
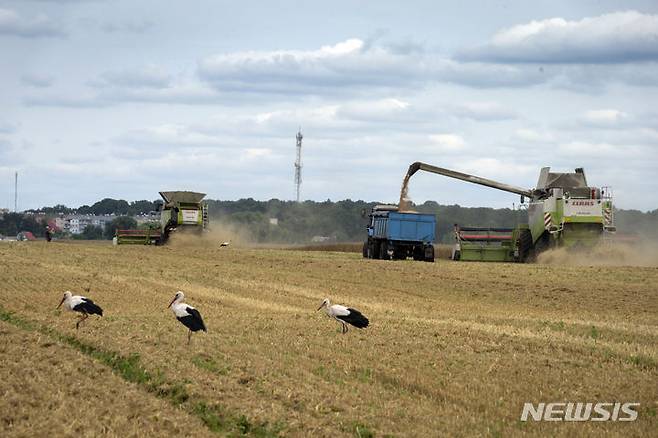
(110, 206)
(122, 223)
(13, 223)
(144, 207)
(92, 232)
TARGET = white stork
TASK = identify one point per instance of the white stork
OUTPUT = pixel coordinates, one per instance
(223, 244)
(83, 305)
(187, 315)
(344, 315)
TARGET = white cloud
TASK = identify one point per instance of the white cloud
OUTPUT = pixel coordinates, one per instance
(150, 76)
(381, 109)
(616, 37)
(531, 135)
(447, 142)
(81, 100)
(650, 135)
(256, 153)
(499, 170)
(169, 134)
(484, 111)
(117, 89)
(348, 67)
(136, 27)
(278, 71)
(7, 128)
(605, 117)
(602, 150)
(13, 24)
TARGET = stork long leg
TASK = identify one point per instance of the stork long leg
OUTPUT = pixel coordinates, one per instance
(189, 336)
(84, 316)
(344, 328)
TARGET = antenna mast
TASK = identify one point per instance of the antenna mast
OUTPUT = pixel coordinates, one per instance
(298, 163)
(16, 192)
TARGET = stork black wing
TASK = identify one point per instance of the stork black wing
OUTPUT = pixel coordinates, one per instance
(193, 321)
(88, 306)
(355, 318)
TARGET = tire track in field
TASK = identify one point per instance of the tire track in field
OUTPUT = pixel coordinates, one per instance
(43, 382)
(216, 418)
(623, 349)
(648, 356)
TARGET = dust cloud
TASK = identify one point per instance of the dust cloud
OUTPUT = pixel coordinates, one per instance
(218, 232)
(605, 254)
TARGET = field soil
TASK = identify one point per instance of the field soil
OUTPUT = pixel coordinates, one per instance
(454, 348)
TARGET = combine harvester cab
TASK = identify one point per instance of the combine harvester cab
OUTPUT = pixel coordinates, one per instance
(393, 234)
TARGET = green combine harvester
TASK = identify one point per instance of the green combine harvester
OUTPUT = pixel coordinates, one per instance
(181, 211)
(563, 211)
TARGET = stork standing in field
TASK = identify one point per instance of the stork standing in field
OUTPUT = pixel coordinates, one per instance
(187, 315)
(83, 305)
(344, 315)
(223, 244)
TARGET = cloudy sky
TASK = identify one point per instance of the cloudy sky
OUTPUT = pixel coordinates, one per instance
(124, 98)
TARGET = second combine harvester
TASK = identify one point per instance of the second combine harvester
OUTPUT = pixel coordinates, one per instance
(563, 210)
(181, 210)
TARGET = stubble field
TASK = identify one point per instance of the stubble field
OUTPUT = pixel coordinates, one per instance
(453, 348)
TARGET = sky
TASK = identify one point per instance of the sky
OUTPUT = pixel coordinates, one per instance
(123, 99)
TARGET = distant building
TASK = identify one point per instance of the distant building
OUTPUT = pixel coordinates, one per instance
(101, 221)
(76, 224)
(274, 221)
(60, 223)
(153, 216)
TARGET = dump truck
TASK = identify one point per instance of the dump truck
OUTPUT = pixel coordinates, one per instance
(397, 235)
(181, 211)
(562, 210)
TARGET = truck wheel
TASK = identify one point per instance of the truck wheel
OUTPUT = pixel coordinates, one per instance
(384, 252)
(374, 254)
(429, 253)
(365, 249)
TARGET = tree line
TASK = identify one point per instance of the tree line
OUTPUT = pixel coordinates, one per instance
(280, 221)
(118, 207)
(345, 221)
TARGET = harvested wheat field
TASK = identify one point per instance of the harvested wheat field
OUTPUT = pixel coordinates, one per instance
(452, 349)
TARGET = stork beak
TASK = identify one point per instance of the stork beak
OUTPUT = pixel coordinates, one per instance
(60, 303)
(172, 302)
(321, 306)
